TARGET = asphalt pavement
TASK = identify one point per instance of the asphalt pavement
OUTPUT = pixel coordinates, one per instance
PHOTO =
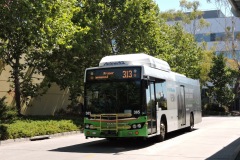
(238, 156)
(216, 138)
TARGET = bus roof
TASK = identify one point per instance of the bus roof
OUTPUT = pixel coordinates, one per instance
(134, 59)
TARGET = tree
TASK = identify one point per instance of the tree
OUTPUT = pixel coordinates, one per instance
(186, 55)
(206, 63)
(188, 16)
(29, 29)
(61, 38)
(231, 40)
(120, 27)
(221, 78)
(114, 27)
(139, 28)
(66, 66)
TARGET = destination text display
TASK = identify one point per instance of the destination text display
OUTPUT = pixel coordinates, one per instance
(114, 73)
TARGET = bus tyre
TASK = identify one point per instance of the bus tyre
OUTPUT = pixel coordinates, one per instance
(190, 128)
(161, 137)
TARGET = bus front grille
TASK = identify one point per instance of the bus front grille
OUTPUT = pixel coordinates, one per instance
(109, 126)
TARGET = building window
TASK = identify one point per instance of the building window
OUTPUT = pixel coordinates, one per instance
(213, 37)
(221, 36)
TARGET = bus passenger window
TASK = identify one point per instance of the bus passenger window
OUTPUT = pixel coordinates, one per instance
(161, 95)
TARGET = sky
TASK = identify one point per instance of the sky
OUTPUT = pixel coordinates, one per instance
(165, 5)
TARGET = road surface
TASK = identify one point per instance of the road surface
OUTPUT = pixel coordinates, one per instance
(215, 138)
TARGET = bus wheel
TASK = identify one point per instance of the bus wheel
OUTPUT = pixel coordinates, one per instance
(162, 135)
(190, 128)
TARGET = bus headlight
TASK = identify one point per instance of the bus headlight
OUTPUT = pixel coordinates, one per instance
(87, 126)
(139, 125)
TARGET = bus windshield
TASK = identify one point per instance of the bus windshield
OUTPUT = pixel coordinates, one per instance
(113, 97)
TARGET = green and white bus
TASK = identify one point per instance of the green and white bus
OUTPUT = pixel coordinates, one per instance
(137, 95)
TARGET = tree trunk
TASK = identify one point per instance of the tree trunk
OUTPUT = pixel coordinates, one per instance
(17, 86)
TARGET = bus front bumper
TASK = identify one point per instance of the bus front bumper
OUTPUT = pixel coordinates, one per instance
(118, 134)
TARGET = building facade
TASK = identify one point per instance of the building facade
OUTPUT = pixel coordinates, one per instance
(221, 33)
(50, 103)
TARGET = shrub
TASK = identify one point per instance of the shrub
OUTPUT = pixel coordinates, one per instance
(30, 128)
(215, 107)
(3, 131)
(12, 126)
(7, 114)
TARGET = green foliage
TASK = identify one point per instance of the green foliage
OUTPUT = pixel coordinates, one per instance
(3, 132)
(59, 39)
(193, 16)
(222, 79)
(30, 29)
(120, 27)
(35, 127)
(114, 27)
(7, 114)
(182, 52)
(205, 63)
(138, 28)
(215, 109)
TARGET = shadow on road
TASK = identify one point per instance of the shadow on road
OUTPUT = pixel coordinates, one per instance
(230, 152)
(114, 147)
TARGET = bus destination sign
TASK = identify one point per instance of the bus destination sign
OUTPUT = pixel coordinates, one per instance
(114, 73)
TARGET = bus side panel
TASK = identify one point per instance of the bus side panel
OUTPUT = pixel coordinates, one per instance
(171, 112)
(193, 103)
(198, 105)
(172, 119)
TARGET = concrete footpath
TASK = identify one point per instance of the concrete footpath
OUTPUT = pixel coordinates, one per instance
(38, 137)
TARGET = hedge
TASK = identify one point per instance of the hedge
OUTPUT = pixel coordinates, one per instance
(30, 128)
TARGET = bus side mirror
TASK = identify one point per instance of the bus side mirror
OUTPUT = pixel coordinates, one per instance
(146, 83)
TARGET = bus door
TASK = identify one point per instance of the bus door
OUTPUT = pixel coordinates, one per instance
(151, 108)
(182, 106)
